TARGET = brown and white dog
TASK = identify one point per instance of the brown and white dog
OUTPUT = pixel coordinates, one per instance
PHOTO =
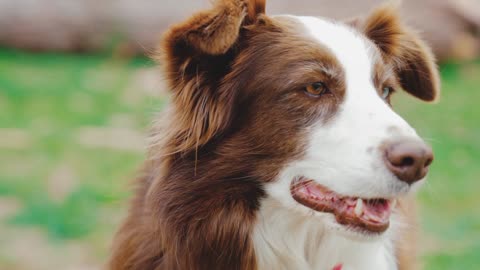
(281, 149)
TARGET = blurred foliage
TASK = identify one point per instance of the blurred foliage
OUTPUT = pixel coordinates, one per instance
(47, 100)
(450, 214)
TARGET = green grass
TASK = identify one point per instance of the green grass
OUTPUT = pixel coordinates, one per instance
(450, 212)
(50, 98)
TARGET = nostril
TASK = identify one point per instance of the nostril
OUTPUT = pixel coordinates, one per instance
(407, 161)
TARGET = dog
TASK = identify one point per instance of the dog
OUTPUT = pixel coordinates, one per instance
(280, 149)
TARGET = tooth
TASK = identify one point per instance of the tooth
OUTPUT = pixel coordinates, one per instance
(359, 207)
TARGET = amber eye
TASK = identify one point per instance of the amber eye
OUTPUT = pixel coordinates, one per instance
(316, 89)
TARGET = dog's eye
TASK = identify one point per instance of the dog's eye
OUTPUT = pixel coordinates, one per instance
(316, 89)
(387, 91)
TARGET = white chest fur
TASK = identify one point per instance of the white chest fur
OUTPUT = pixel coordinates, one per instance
(285, 239)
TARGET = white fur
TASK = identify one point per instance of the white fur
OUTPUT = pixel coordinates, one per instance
(286, 239)
(343, 155)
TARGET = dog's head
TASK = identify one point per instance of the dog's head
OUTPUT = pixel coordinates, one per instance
(301, 105)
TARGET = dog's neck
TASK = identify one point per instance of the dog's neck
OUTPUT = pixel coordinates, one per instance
(283, 240)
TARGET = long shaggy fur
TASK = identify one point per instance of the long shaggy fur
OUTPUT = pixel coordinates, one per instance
(227, 135)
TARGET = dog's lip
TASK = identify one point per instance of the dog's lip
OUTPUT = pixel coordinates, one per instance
(368, 215)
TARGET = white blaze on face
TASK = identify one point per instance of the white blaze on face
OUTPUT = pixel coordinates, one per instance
(344, 154)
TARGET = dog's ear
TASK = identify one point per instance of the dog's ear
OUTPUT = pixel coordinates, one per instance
(215, 31)
(196, 55)
(413, 59)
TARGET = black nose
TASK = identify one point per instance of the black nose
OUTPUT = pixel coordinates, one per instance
(408, 159)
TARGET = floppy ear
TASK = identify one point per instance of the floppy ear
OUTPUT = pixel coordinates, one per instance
(196, 55)
(413, 59)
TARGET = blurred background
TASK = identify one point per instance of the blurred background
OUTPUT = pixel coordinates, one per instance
(77, 94)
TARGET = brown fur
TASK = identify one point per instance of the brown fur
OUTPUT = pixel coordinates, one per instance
(231, 129)
(413, 60)
(255, 8)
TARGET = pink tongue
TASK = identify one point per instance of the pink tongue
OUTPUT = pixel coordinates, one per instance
(373, 211)
(378, 212)
(372, 215)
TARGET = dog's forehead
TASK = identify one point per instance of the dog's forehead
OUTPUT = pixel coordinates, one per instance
(352, 49)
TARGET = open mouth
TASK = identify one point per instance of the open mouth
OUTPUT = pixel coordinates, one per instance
(368, 215)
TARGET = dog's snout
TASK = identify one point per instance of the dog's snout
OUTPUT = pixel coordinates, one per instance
(408, 159)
